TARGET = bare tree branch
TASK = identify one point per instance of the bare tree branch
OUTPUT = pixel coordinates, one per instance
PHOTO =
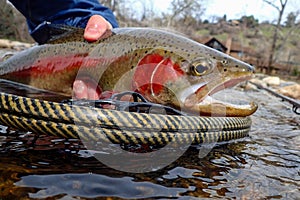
(275, 34)
(272, 4)
(184, 10)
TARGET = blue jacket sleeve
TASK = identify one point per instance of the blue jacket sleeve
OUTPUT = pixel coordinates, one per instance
(41, 13)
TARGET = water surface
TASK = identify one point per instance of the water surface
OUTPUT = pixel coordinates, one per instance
(265, 165)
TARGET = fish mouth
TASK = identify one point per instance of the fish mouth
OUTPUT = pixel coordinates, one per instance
(198, 100)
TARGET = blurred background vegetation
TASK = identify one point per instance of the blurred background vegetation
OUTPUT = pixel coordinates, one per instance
(12, 24)
(271, 46)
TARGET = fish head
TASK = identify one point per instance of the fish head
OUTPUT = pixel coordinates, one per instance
(185, 76)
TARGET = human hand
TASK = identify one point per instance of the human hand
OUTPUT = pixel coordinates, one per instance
(86, 88)
(97, 28)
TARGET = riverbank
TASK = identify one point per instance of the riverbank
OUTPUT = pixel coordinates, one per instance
(284, 87)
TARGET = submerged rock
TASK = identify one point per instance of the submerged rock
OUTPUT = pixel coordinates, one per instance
(272, 81)
(287, 88)
(292, 91)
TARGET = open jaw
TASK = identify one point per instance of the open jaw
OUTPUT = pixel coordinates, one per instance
(197, 100)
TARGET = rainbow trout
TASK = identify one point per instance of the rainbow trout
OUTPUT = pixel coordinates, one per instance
(164, 67)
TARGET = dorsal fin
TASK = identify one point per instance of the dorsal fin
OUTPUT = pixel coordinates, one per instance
(60, 33)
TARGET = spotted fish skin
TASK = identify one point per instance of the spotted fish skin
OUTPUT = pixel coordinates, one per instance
(113, 63)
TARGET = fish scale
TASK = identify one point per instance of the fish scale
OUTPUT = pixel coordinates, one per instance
(115, 63)
(112, 63)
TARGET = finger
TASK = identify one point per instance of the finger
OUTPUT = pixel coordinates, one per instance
(86, 88)
(79, 90)
(95, 28)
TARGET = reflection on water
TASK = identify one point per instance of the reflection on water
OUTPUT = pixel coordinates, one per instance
(264, 166)
(94, 185)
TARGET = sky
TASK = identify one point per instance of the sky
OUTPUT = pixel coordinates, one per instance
(235, 9)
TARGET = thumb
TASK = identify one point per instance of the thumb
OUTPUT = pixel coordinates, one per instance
(95, 28)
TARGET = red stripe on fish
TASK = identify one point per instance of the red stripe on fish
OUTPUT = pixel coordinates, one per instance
(52, 65)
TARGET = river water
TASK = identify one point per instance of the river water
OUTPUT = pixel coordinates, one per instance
(265, 165)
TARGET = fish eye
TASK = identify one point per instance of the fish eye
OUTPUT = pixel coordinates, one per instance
(199, 69)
